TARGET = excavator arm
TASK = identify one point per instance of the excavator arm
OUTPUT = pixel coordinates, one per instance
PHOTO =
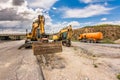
(41, 45)
(64, 35)
(34, 28)
(41, 22)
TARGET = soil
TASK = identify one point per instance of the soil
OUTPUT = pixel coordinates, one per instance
(75, 64)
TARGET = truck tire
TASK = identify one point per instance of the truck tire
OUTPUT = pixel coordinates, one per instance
(92, 41)
(88, 41)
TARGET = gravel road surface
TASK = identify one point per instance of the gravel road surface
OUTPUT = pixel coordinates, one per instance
(101, 50)
(18, 64)
(84, 62)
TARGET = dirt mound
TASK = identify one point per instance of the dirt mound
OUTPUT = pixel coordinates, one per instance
(117, 41)
(109, 31)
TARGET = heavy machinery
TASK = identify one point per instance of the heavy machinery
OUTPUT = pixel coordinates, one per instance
(64, 35)
(91, 37)
(38, 40)
(37, 33)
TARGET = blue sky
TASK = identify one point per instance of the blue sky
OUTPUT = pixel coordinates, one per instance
(111, 15)
(18, 15)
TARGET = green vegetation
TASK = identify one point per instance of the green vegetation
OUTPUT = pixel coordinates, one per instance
(110, 32)
(95, 66)
(74, 40)
(94, 55)
(107, 41)
(102, 25)
(118, 76)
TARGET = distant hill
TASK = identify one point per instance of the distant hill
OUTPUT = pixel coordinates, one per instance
(111, 32)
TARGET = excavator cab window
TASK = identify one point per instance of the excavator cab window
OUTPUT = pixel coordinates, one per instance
(38, 33)
(64, 35)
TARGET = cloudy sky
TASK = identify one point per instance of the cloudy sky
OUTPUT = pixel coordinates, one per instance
(18, 15)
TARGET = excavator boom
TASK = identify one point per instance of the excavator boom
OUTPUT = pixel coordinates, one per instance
(38, 40)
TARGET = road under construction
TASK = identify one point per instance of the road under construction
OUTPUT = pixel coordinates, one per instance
(79, 62)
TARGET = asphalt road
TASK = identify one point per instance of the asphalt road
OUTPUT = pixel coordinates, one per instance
(18, 64)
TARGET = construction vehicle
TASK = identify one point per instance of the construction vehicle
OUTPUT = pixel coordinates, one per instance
(64, 35)
(91, 37)
(38, 33)
(38, 39)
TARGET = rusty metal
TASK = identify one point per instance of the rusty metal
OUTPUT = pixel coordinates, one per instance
(46, 48)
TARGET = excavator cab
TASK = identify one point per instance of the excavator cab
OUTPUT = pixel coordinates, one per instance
(64, 35)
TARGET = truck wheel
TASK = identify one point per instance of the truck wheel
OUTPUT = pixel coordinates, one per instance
(97, 41)
(88, 41)
(92, 41)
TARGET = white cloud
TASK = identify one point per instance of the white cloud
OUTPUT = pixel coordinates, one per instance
(22, 11)
(10, 31)
(75, 24)
(12, 13)
(4, 5)
(3, 1)
(29, 13)
(109, 22)
(105, 3)
(93, 1)
(86, 1)
(54, 8)
(87, 24)
(89, 11)
(45, 4)
(103, 19)
(53, 28)
(100, 23)
(9, 23)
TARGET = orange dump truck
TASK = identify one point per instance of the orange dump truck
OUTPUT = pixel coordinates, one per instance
(91, 37)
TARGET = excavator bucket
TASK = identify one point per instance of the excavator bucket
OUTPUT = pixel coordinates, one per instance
(46, 48)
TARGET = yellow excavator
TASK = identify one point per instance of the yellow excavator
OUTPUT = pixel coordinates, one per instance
(38, 32)
(38, 39)
(64, 35)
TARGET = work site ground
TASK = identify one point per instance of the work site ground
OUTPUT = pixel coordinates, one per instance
(81, 61)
